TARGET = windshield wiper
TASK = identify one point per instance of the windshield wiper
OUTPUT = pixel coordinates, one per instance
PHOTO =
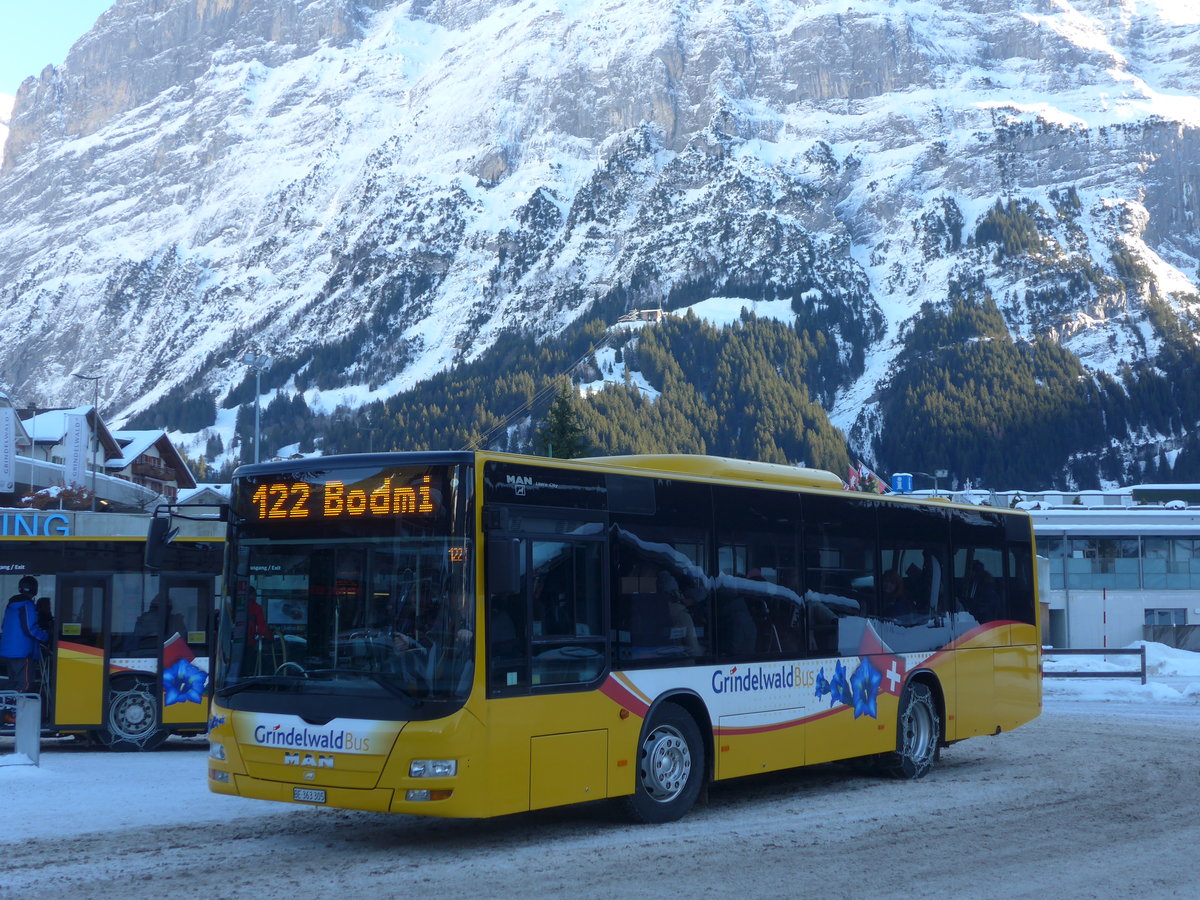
(388, 684)
(256, 681)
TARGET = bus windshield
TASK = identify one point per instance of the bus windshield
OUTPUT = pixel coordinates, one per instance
(350, 593)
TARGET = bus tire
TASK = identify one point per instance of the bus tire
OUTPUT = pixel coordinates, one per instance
(132, 721)
(918, 734)
(670, 767)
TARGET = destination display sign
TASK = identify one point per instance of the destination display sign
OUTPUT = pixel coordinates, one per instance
(311, 497)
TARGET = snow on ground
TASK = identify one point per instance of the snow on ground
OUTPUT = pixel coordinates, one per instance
(617, 373)
(725, 311)
(75, 791)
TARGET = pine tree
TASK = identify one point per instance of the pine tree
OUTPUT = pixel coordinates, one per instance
(561, 434)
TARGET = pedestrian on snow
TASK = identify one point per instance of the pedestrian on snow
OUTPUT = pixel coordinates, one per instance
(21, 637)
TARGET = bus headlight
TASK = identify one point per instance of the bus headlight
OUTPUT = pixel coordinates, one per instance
(216, 751)
(433, 768)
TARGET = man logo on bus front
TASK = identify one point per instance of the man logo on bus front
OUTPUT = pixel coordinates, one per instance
(317, 761)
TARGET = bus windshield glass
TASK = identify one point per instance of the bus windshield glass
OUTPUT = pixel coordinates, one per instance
(350, 591)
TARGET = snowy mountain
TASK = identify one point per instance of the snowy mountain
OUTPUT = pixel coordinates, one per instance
(6, 106)
(404, 182)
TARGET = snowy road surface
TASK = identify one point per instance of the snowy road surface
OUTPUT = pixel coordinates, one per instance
(1093, 799)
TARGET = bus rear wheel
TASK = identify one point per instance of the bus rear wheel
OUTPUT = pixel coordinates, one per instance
(918, 734)
(132, 720)
(670, 767)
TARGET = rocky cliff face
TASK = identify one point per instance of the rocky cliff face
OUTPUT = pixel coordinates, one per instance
(410, 179)
(141, 50)
(6, 105)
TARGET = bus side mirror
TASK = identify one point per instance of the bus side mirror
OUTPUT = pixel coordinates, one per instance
(158, 536)
(503, 566)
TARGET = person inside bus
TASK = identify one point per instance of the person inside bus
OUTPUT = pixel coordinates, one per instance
(262, 655)
(256, 620)
(737, 633)
(683, 627)
(21, 638)
(924, 584)
(898, 604)
(982, 596)
(786, 613)
(146, 635)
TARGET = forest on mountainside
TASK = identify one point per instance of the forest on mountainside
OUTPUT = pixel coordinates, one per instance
(1005, 413)
(743, 391)
(964, 396)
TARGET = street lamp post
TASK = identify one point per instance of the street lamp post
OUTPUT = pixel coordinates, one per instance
(937, 473)
(259, 362)
(95, 380)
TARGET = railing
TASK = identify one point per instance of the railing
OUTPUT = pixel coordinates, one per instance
(1123, 673)
(153, 470)
(26, 710)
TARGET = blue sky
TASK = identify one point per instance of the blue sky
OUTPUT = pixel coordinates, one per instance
(36, 33)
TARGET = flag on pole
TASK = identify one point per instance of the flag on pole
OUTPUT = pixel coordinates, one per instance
(869, 481)
(8, 449)
(75, 473)
(852, 479)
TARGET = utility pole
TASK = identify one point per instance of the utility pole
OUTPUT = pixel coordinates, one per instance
(258, 362)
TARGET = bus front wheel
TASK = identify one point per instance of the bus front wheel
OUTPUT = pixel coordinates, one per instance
(132, 720)
(918, 733)
(670, 767)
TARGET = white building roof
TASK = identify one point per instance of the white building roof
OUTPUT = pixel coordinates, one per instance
(133, 444)
(52, 425)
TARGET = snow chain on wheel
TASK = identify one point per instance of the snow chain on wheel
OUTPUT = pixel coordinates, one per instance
(918, 733)
(132, 720)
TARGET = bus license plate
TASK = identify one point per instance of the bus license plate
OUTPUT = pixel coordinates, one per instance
(308, 795)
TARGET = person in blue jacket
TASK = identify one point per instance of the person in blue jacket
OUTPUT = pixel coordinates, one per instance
(21, 637)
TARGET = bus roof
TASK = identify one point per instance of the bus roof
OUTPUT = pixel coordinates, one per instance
(722, 467)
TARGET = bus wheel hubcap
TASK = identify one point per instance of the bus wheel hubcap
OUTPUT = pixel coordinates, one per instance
(666, 764)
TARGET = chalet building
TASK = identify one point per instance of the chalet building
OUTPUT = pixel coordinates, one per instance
(131, 470)
(206, 495)
(47, 430)
(640, 317)
(150, 459)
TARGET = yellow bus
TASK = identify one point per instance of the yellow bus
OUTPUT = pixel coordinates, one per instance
(127, 661)
(475, 634)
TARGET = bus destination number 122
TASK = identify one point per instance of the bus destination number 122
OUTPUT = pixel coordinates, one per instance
(293, 500)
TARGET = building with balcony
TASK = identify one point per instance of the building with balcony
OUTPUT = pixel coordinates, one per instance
(150, 459)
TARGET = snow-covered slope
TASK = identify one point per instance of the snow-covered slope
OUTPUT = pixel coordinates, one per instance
(199, 177)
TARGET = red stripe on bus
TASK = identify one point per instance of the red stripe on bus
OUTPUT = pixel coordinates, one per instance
(80, 648)
(619, 694)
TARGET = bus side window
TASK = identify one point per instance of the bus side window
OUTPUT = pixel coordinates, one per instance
(840, 556)
(979, 567)
(568, 641)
